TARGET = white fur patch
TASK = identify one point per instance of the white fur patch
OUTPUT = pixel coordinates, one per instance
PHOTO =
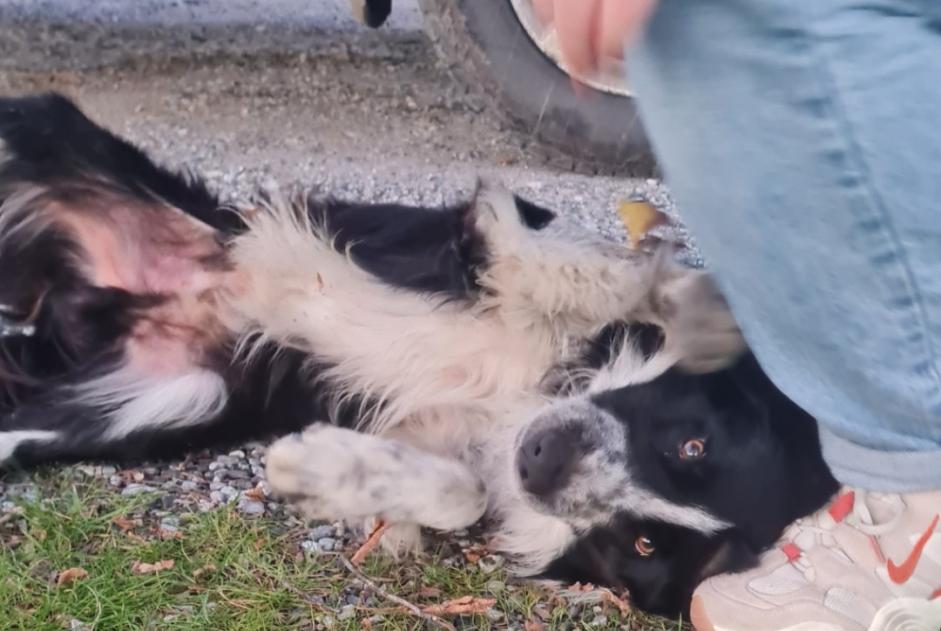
(341, 473)
(9, 441)
(410, 352)
(136, 403)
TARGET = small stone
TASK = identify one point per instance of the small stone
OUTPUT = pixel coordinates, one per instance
(251, 507)
(137, 489)
(346, 612)
(217, 497)
(188, 486)
(490, 563)
(327, 544)
(319, 532)
(228, 491)
(115, 480)
(238, 453)
(328, 622)
(170, 522)
(495, 587)
(310, 546)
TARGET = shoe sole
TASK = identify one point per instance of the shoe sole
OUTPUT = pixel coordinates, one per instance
(898, 615)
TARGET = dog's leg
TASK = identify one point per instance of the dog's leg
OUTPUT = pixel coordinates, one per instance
(334, 473)
(700, 328)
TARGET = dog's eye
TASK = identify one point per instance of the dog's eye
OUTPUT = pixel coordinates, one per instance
(644, 546)
(693, 449)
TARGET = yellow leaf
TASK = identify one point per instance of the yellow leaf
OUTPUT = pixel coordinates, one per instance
(639, 217)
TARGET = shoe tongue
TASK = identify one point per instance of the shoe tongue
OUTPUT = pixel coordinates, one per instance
(883, 508)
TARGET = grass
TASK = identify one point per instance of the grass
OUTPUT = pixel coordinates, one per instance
(232, 572)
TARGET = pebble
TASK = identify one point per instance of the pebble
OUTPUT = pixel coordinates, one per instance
(251, 507)
(319, 532)
(136, 489)
(327, 544)
(495, 587)
(188, 486)
(346, 612)
(490, 563)
(170, 523)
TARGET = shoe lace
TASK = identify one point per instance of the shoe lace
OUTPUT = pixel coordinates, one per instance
(851, 507)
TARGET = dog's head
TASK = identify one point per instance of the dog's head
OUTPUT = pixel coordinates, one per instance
(673, 480)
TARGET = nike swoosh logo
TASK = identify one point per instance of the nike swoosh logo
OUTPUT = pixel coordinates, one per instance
(901, 573)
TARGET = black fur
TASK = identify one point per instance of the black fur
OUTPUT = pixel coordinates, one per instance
(762, 469)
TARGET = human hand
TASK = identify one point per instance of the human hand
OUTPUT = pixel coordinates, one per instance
(592, 31)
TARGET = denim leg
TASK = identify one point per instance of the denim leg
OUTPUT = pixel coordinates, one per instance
(802, 141)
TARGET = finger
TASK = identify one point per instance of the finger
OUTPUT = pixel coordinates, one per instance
(576, 24)
(620, 23)
(545, 10)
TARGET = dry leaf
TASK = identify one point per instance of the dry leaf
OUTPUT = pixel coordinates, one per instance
(474, 553)
(639, 218)
(533, 625)
(169, 535)
(256, 493)
(206, 569)
(429, 592)
(124, 524)
(623, 607)
(131, 475)
(371, 542)
(69, 576)
(604, 595)
(151, 568)
(460, 606)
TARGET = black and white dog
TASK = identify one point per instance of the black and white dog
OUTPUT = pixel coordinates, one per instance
(443, 364)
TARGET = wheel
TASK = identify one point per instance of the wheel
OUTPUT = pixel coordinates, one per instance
(500, 55)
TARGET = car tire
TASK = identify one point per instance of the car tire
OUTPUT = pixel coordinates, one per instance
(491, 56)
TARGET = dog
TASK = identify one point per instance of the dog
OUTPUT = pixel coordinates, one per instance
(428, 367)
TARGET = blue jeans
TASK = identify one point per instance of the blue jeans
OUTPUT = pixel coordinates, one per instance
(802, 142)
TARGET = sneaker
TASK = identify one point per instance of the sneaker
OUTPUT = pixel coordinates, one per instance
(869, 561)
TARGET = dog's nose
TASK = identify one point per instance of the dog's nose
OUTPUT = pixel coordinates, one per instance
(546, 459)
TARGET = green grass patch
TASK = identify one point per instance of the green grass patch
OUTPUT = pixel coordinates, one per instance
(231, 572)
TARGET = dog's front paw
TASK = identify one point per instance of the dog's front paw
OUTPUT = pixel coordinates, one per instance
(335, 473)
(700, 327)
(400, 539)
